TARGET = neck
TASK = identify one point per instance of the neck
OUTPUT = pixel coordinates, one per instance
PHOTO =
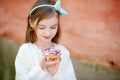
(44, 45)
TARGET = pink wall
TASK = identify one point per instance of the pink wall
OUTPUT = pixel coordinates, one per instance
(91, 30)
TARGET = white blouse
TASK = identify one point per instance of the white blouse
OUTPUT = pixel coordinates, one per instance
(29, 57)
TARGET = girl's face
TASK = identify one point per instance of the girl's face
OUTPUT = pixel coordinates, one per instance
(47, 29)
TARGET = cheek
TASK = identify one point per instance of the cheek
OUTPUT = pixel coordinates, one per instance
(55, 31)
(38, 32)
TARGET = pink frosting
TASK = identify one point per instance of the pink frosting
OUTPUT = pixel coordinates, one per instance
(51, 51)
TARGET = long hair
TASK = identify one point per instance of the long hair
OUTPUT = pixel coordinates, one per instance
(38, 15)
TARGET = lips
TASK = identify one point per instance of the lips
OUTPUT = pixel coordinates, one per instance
(46, 37)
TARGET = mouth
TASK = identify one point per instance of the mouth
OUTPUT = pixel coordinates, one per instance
(46, 37)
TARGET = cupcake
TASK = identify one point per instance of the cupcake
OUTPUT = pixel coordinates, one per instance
(51, 54)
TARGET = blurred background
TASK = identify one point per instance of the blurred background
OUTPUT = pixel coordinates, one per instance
(91, 31)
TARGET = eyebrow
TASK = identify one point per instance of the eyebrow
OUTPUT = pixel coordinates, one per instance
(45, 25)
(54, 24)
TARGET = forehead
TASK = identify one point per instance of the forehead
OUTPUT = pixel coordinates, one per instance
(49, 21)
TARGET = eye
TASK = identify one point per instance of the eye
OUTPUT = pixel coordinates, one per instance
(54, 27)
(41, 27)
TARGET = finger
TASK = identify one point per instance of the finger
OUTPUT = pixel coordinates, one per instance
(44, 58)
(60, 58)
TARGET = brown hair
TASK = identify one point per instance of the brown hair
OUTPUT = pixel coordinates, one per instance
(38, 15)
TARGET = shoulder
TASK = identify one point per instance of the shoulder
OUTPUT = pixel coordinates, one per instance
(25, 46)
(60, 46)
(24, 53)
(63, 49)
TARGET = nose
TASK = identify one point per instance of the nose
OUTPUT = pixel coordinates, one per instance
(48, 32)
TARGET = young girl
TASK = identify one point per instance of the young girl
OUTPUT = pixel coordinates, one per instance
(43, 31)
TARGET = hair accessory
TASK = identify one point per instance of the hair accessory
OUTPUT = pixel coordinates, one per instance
(57, 7)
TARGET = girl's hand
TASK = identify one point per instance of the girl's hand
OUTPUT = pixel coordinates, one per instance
(51, 66)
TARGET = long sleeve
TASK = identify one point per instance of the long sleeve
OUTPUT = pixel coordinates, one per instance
(67, 71)
(66, 74)
(25, 69)
(27, 65)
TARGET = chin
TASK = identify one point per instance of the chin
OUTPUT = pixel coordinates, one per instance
(47, 40)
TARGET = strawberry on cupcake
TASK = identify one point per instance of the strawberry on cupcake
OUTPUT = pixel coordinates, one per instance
(51, 54)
